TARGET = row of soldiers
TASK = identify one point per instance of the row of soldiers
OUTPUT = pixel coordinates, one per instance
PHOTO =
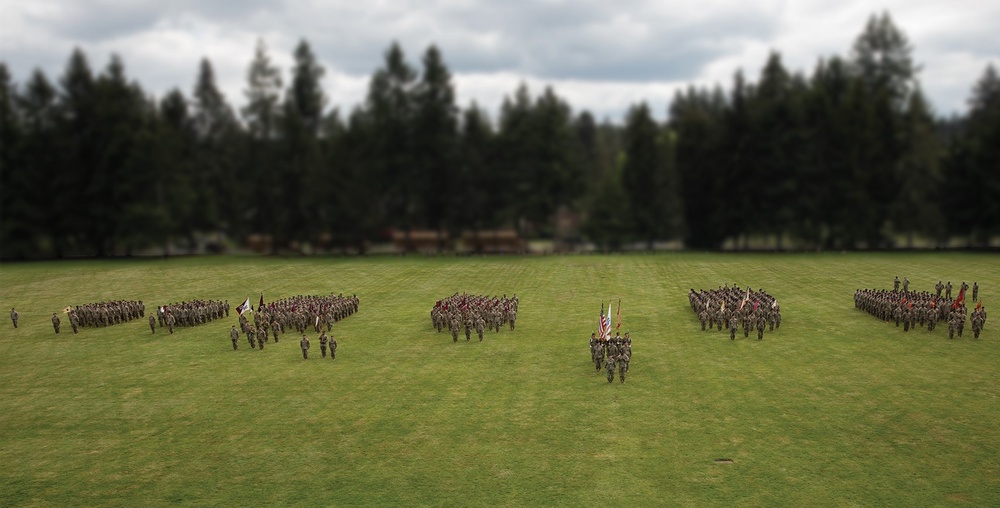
(299, 313)
(193, 313)
(938, 288)
(304, 343)
(733, 308)
(613, 352)
(474, 312)
(101, 314)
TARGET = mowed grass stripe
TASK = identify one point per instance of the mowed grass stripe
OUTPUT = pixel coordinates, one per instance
(836, 406)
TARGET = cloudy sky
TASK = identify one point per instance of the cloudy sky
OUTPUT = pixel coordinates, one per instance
(600, 55)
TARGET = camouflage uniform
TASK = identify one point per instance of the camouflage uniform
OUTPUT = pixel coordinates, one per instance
(304, 344)
(55, 322)
(14, 316)
(234, 335)
(322, 344)
(333, 348)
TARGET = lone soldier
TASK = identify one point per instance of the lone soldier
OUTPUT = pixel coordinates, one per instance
(333, 348)
(322, 343)
(975, 291)
(622, 366)
(938, 287)
(610, 367)
(55, 322)
(152, 323)
(13, 316)
(234, 335)
(304, 344)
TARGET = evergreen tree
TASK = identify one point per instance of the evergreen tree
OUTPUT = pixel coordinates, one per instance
(19, 213)
(477, 178)
(643, 174)
(262, 116)
(214, 170)
(435, 145)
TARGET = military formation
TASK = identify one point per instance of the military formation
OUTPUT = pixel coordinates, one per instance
(610, 353)
(910, 309)
(299, 313)
(101, 314)
(734, 308)
(193, 313)
(474, 313)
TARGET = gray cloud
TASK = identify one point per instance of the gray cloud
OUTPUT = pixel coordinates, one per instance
(601, 55)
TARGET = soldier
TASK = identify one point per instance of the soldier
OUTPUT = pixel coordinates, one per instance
(947, 290)
(938, 287)
(454, 325)
(304, 344)
(252, 337)
(627, 348)
(13, 316)
(234, 334)
(598, 355)
(480, 326)
(333, 348)
(895, 284)
(274, 329)
(74, 321)
(622, 366)
(152, 323)
(906, 285)
(226, 307)
(975, 290)
(467, 325)
(610, 367)
(703, 317)
(55, 322)
(734, 322)
(170, 321)
(322, 343)
(761, 323)
(965, 287)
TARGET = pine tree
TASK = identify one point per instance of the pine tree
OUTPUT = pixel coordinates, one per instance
(435, 144)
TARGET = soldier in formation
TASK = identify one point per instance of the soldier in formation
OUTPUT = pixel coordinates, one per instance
(611, 353)
(468, 312)
(322, 343)
(301, 313)
(734, 308)
(913, 309)
(978, 319)
(152, 323)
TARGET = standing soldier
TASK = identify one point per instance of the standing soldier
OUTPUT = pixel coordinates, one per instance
(938, 287)
(975, 291)
(252, 337)
(454, 326)
(895, 284)
(170, 321)
(610, 367)
(322, 343)
(226, 306)
(734, 322)
(13, 316)
(274, 329)
(480, 326)
(152, 323)
(333, 348)
(947, 290)
(73, 321)
(304, 344)
(598, 355)
(55, 322)
(906, 284)
(234, 334)
(622, 366)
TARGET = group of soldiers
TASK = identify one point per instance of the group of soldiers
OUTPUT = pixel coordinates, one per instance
(473, 312)
(922, 308)
(99, 314)
(193, 313)
(613, 352)
(299, 313)
(734, 308)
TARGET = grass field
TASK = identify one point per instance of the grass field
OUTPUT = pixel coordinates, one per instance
(835, 409)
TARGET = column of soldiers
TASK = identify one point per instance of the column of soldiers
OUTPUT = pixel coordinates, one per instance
(298, 313)
(734, 308)
(101, 314)
(911, 309)
(473, 312)
(193, 313)
(612, 352)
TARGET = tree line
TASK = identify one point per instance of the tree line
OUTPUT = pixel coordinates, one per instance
(850, 156)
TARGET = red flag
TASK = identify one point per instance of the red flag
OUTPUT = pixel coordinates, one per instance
(961, 299)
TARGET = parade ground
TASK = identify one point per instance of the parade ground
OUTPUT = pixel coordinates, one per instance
(836, 408)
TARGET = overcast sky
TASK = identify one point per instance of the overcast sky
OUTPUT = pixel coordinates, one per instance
(599, 55)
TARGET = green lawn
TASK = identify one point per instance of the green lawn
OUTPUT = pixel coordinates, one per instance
(836, 408)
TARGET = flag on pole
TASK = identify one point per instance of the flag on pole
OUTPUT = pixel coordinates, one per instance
(961, 299)
(68, 309)
(618, 325)
(605, 324)
(261, 305)
(243, 307)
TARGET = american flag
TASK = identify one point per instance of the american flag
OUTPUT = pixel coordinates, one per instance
(605, 324)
